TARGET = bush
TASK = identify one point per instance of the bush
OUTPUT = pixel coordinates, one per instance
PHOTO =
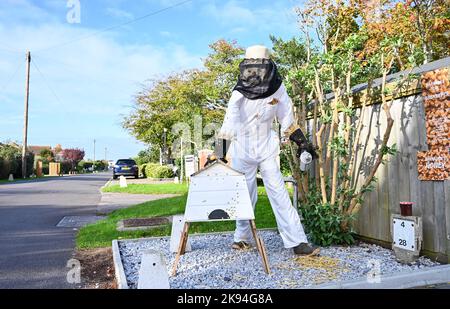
(66, 167)
(11, 162)
(153, 170)
(323, 222)
(142, 170)
(150, 155)
(99, 165)
(85, 165)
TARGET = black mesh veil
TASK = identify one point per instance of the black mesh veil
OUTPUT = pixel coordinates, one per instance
(259, 78)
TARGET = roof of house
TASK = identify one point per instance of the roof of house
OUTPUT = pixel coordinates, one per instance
(37, 149)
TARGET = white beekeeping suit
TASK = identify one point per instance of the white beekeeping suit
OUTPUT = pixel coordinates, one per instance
(248, 124)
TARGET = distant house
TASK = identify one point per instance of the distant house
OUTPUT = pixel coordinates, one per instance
(57, 151)
(36, 150)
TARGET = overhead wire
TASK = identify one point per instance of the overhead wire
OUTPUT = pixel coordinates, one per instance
(8, 81)
(115, 26)
(45, 81)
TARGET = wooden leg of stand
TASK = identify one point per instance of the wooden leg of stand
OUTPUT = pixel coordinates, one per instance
(255, 235)
(185, 239)
(181, 247)
(264, 256)
(260, 247)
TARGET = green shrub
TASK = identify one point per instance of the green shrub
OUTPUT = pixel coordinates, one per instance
(153, 170)
(100, 165)
(84, 165)
(11, 162)
(66, 167)
(323, 221)
(142, 170)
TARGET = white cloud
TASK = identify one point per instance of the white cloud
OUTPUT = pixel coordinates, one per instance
(241, 16)
(94, 79)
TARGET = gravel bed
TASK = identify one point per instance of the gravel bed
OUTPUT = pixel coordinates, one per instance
(213, 264)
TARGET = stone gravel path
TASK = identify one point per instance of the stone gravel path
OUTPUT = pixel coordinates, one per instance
(213, 264)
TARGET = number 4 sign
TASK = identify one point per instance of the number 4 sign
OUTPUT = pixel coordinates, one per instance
(404, 234)
(406, 237)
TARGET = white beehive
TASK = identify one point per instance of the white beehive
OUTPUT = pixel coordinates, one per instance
(218, 193)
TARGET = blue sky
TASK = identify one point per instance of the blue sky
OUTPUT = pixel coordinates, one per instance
(81, 88)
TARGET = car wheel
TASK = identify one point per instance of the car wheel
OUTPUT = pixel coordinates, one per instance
(114, 176)
(136, 176)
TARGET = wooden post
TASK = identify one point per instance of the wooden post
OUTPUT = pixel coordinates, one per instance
(181, 247)
(25, 127)
(39, 169)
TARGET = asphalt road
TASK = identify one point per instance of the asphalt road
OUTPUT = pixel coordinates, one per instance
(33, 251)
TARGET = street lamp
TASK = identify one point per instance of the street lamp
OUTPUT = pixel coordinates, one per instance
(182, 154)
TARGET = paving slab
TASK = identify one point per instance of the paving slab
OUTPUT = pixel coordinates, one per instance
(113, 201)
(78, 221)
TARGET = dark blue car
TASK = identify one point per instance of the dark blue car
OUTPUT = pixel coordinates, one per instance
(125, 167)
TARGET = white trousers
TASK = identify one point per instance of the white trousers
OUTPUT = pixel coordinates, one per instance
(287, 218)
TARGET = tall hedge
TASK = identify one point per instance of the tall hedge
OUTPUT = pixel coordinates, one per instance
(11, 162)
(154, 170)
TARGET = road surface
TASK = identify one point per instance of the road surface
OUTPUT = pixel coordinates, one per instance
(33, 251)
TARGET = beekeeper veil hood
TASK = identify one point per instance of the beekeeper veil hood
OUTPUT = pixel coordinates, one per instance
(259, 77)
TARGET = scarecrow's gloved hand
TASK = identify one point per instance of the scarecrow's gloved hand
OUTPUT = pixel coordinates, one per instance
(303, 144)
(227, 134)
(213, 158)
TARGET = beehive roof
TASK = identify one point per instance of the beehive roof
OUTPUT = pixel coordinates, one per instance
(218, 162)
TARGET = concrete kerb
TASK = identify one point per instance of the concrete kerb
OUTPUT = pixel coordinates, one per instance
(105, 185)
(404, 280)
(121, 279)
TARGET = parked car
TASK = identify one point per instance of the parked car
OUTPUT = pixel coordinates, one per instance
(125, 167)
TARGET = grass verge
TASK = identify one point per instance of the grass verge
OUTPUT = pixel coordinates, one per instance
(101, 233)
(164, 188)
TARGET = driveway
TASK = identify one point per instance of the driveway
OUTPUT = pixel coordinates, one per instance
(33, 251)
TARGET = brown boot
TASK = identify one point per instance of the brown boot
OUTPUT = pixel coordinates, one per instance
(306, 249)
(240, 245)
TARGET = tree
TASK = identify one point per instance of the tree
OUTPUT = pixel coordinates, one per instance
(74, 156)
(328, 73)
(47, 155)
(423, 24)
(149, 155)
(181, 97)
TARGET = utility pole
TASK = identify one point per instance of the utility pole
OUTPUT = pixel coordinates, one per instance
(106, 151)
(94, 150)
(25, 127)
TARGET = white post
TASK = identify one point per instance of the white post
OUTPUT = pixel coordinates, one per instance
(182, 162)
(153, 272)
(175, 236)
(123, 182)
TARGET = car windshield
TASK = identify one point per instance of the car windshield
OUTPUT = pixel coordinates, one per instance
(126, 162)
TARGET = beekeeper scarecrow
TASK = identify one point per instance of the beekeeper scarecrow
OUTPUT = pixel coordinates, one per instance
(256, 100)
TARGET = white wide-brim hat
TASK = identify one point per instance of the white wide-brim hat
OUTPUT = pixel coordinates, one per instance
(257, 52)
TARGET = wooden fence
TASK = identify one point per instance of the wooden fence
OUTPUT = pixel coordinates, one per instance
(398, 179)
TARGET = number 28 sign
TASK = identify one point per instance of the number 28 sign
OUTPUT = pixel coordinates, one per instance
(404, 234)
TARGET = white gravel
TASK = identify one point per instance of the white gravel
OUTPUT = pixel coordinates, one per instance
(213, 264)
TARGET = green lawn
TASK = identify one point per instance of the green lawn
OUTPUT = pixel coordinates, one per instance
(164, 188)
(101, 234)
